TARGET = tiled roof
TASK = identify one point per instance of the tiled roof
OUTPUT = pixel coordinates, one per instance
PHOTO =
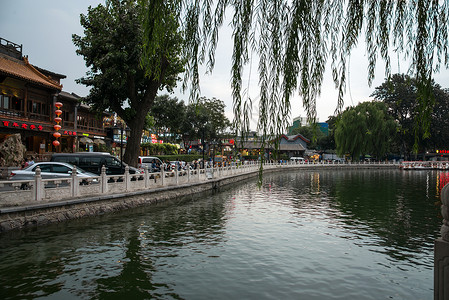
(22, 69)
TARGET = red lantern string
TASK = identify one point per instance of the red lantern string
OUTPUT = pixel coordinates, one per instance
(57, 127)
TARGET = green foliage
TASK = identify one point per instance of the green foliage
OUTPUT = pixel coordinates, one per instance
(159, 149)
(365, 129)
(168, 113)
(400, 94)
(204, 119)
(125, 72)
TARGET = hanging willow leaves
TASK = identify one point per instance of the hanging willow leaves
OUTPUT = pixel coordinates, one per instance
(294, 41)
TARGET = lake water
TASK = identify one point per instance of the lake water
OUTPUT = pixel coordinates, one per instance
(364, 234)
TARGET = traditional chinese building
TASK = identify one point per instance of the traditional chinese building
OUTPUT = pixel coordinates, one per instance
(27, 106)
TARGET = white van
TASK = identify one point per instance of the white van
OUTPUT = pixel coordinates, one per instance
(143, 161)
(297, 159)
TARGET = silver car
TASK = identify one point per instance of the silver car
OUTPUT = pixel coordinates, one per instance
(50, 170)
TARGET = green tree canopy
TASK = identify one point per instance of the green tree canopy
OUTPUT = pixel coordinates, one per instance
(168, 113)
(364, 129)
(205, 120)
(400, 94)
(121, 78)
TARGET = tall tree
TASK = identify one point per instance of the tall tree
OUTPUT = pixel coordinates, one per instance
(205, 120)
(400, 94)
(295, 39)
(365, 129)
(121, 78)
(168, 113)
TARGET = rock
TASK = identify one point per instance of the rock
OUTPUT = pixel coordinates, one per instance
(12, 151)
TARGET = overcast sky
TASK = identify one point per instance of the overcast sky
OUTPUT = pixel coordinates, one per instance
(45, 28)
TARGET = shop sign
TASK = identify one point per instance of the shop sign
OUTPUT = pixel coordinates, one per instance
(67, 132)
(117, 138)
(443, 151)
(19, 125)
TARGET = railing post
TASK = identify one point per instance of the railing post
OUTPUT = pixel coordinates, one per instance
(441, 255)
(176, 175)
(188, 173)
(104, 180)
(75, 183)
(127, 178)
(146, 179)
(162, 174)
(38, 188)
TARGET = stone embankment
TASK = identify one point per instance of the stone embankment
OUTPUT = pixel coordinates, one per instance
(44, 203)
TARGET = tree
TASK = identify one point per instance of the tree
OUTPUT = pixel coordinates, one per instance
(204, 119)
(294, 41)
(400, 94)
(168, 113)
(121, 78)
(364, 129)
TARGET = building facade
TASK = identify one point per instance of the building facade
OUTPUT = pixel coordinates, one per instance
(27, 106)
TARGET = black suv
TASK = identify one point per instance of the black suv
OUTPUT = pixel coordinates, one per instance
(94, 161)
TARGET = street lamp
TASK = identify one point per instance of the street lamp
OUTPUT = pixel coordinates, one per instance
(120, 134)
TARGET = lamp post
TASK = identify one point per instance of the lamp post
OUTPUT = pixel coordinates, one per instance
(202, 142)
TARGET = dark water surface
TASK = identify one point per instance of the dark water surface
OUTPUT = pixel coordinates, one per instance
(303, 235)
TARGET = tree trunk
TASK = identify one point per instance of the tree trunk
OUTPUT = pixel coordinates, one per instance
(133, 144)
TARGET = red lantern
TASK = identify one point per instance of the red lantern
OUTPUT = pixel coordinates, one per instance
(55, 143)
(58, 112)
(58, 119)
(57, 127)
(58, 105)
(56, 134)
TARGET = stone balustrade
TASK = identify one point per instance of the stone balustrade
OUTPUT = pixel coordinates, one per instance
(39, 190)
(441, 258)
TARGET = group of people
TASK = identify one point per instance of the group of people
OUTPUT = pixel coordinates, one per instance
(27, 162)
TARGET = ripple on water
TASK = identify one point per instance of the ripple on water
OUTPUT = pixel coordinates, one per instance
(305, 235)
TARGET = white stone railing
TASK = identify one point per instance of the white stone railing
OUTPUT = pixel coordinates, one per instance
(38, 190)
(441, 251)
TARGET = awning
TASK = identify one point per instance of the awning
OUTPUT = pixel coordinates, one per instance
(86, 140)
(99, 142)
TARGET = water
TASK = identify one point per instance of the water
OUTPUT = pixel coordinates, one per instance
(303, 235)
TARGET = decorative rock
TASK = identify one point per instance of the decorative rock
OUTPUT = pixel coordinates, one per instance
(12, 151)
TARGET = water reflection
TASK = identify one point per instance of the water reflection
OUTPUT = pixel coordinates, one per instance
(285, 240)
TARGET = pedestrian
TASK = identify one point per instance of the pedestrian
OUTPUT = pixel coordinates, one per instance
(31, 162)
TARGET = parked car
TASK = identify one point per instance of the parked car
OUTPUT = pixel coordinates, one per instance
(152, 162)
(94, 161)
(50, 170)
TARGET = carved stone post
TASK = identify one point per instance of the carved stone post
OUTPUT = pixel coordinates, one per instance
(147, 179)
(38, 186)
(104, 180)
(127, 178)
(75, 183)
(441, 259)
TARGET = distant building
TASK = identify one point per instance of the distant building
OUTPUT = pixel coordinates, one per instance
(297, 122)
(292, 146)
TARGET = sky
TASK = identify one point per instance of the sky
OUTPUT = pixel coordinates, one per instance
(45, 28)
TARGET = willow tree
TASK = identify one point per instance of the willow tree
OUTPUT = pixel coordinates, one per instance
(365, 129)
(295, 40)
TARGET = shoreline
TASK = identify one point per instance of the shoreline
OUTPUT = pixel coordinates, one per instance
(39, 214)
